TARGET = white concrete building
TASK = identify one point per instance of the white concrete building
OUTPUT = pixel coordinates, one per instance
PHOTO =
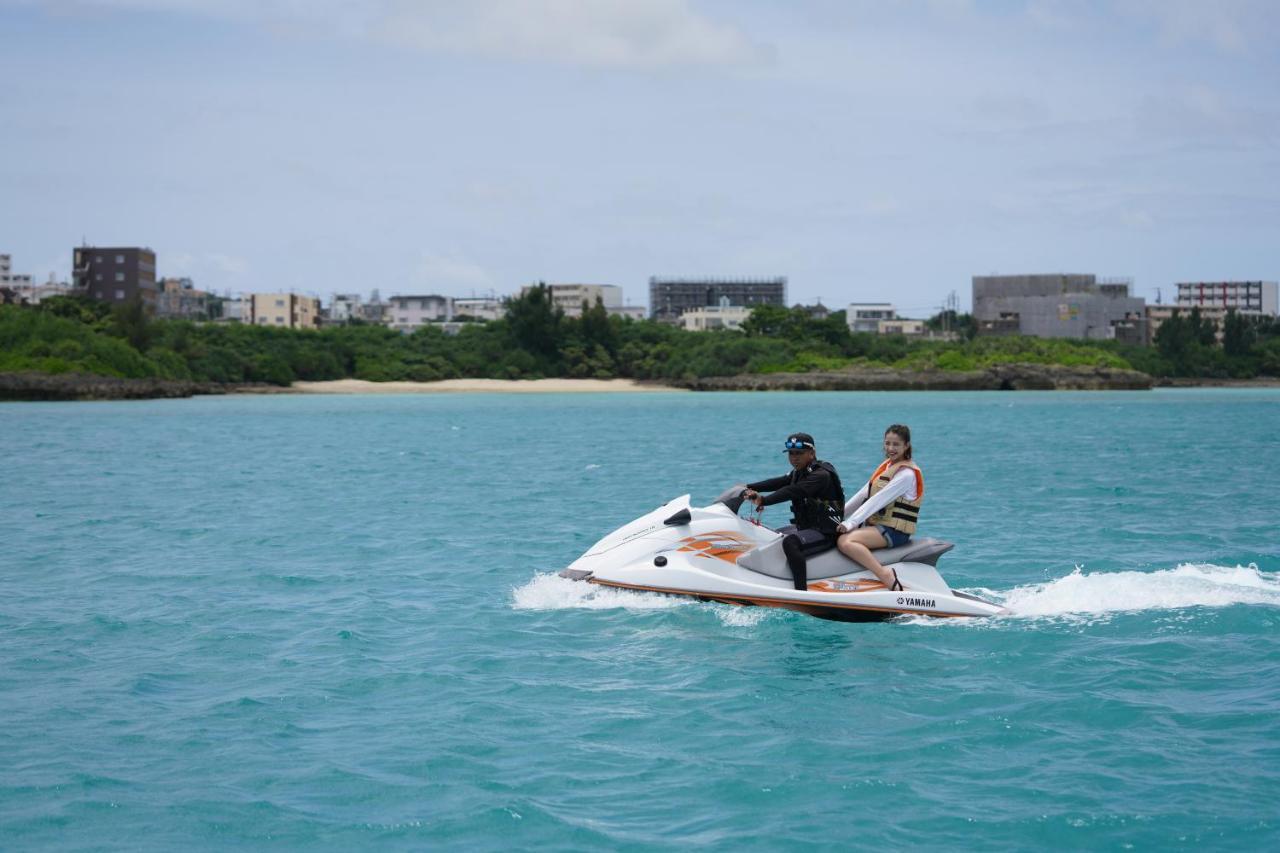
(715, 317)
(1247, 297)
(344, 306)
(569, 297)
(485, 308)
(233, 310)
(7, 276)
(406, 313)
(634, 312)
(900, 326)
(866, 316)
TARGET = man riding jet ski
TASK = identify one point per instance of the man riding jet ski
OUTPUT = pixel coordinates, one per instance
(712, 554)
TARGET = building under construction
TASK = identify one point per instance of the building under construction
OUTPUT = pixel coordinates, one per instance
(1057, 306)
(671, 297)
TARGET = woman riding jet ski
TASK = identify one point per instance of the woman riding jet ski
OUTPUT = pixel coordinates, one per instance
(712, 554)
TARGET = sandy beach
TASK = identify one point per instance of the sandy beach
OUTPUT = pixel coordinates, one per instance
(502, 386)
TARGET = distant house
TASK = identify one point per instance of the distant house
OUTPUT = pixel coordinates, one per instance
(178, 298)
(865, 317)
(407, 313)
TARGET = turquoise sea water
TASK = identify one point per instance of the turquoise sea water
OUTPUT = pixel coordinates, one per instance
(302, 621)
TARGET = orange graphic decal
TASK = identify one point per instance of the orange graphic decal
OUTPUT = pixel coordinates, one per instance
(721, 544)
(860, 585)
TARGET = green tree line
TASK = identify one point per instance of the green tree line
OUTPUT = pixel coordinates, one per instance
(537, 340)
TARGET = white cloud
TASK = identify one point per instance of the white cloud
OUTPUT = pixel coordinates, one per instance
(1230, 25)
(637, 34)
(451, 273)
(599, 33)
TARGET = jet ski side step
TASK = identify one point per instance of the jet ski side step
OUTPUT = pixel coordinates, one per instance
(575, 574)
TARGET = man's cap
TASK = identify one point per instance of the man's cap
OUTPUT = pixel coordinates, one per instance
(799, 441)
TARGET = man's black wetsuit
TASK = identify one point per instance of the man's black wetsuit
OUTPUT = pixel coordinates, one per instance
(817, 507)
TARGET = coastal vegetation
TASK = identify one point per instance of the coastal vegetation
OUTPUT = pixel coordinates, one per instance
(77, 335)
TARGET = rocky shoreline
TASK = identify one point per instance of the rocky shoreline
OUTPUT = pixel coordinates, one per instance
(82, 386)
(1004, 377)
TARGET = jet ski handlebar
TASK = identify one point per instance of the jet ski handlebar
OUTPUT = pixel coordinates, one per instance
(732, 497)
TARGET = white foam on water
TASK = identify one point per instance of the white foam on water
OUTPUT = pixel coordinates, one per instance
(549, 591)
(552, 592)
(1188, 585)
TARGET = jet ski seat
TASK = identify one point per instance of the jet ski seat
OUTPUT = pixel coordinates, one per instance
(770, 560)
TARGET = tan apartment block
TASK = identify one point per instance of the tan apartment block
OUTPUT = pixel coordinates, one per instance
(282, 310)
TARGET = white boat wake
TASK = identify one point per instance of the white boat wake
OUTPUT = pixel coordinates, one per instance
(1079, 594)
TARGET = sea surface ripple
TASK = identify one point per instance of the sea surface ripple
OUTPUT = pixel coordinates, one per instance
(334, 622)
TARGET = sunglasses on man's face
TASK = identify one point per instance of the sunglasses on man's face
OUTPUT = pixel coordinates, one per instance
(796, 445)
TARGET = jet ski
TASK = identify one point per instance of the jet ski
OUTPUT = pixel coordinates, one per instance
(712, 554)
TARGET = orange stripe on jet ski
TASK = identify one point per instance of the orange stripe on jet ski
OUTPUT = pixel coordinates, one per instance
(810, 607)
(846, 586)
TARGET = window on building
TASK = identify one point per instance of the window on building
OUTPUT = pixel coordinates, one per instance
(97, 277)
(119, 294)
(119, 259)
(119, 276)
(279, 321)
(279, 303)
(97, 259)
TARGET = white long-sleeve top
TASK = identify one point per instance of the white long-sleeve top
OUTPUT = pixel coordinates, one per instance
(858, 508)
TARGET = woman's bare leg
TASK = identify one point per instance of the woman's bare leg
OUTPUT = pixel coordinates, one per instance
(857, 546)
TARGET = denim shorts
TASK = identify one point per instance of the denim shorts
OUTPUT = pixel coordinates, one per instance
(895, 538)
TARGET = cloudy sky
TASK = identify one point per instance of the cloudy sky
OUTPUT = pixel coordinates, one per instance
(869, 150)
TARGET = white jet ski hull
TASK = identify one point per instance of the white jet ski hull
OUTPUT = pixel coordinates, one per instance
(711, 554)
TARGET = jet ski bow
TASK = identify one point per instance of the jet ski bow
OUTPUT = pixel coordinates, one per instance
(712, 554)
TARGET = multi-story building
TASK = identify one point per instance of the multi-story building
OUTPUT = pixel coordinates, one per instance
(710, 317)
(179, 298)
(483, 308)
(406, 313)
(1247, 297)
(866, 316)
(115, 274)
(570, 297)
(20, 289)
(8, 278)
(1054, 306)
(282, 310)
(1156, 315)
(226, 309)
(631, 312)
(343, 307)
(671, 297)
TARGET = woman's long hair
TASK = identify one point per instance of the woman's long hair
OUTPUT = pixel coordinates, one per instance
(903, 432)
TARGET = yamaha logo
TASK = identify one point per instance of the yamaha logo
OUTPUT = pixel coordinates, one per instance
(901, 600)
